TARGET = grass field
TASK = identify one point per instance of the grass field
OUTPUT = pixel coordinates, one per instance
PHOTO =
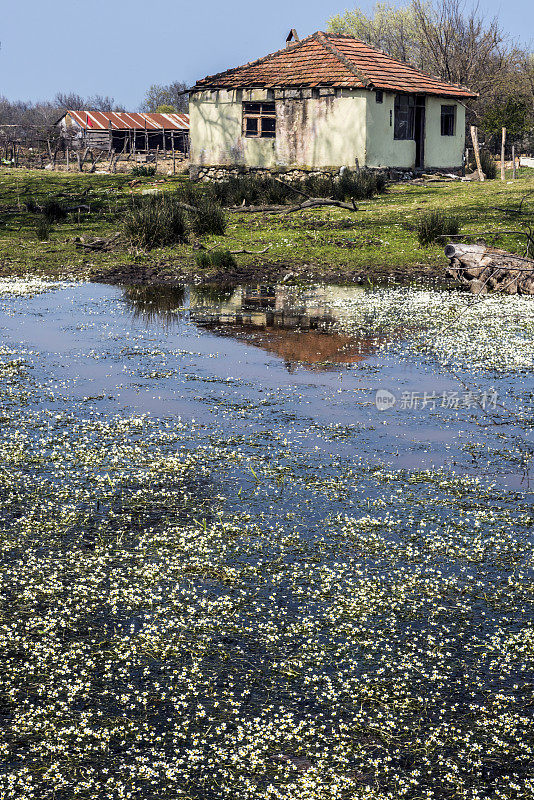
(377, 239)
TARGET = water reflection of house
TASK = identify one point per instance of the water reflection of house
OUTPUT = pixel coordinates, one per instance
(299, 325)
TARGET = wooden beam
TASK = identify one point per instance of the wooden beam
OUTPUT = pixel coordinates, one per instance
(503, 142)
(474, 137)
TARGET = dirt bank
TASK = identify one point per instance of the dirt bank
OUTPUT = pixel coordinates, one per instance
(266, 272)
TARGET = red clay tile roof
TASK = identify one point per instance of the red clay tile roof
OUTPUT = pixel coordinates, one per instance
(329, 59)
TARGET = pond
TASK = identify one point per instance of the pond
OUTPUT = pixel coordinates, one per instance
(267, 542)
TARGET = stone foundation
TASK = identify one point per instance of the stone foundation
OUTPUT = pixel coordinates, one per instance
(223, 172)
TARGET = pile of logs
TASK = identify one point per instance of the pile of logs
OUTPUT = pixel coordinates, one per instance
(483, 268)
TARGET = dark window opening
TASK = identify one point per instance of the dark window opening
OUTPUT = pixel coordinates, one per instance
(251, 126)
(404, 116)
(259, 120)
(379, 96)
(448, 119)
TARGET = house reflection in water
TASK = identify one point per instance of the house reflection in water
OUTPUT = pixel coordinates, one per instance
(301, 326)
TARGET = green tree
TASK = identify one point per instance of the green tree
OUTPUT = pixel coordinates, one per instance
(512, 113)
(165, 108)
(442, 38)
(166, 95)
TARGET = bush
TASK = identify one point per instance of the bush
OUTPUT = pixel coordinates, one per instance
(489, 165)
(319, 185)
(155, 221)
(189, 193)
(435, 226)
(256, 190)
(222, 259)
(43, 229)
(53, 211)
(143, 171)
(251, 189)
(361, 185)
(31, 206)
(208, 218)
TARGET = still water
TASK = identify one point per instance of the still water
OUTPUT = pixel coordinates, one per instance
(254, 357)
(231, 569)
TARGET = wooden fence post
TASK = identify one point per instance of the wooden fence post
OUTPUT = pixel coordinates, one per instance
(474, 137)
(503, 142)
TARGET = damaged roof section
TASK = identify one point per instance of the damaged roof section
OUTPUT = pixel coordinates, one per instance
(122, 120)
(328, 59)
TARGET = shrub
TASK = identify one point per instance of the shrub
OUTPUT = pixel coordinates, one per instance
(208, 218)
(43, 229)
(361, 185)
(188, 193)
(53, 211)
(251, 189)
(318, 185)
(155, 221)
(31, 206)
(142, 171)
(435, 226)
(222, 259)
(259, 190)
(489, 165)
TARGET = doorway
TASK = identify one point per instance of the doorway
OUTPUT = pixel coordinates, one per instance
(419, 131)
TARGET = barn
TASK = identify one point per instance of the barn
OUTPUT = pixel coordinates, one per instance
(123, 131)
(323, 102)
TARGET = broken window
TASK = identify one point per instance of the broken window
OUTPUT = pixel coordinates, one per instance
(259, 120)
(448, 119)
(404, 116)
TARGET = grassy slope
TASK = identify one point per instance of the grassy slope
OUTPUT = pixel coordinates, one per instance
(376, 239)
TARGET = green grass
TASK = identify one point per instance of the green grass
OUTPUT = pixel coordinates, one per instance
(379, 238)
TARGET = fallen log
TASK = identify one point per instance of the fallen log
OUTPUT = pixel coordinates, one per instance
(313, 202)
(100, 243)
(483, 268)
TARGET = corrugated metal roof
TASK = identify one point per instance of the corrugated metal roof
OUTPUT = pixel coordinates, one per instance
(328, 59)
(122, 120)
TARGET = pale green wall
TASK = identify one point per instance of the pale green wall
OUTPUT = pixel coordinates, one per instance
(443, 151)
(382, 149)
(325, 132)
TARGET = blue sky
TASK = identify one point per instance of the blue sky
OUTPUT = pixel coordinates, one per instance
(119, 49)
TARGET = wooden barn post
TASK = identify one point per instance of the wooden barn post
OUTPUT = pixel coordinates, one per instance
(474, 137)
(503, 143)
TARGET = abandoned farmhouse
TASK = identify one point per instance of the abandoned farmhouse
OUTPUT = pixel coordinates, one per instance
(326, 101)
(125, 132)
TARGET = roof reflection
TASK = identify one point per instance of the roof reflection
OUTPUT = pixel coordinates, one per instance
(300, 325)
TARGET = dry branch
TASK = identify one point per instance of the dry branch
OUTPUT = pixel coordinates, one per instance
(313, 202)
(101, 244)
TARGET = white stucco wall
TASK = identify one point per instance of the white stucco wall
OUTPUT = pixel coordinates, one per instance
(327, 131)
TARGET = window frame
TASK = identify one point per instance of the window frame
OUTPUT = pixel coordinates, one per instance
(259, 111)
(445, 120)
(379, 96)
(404, 107)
